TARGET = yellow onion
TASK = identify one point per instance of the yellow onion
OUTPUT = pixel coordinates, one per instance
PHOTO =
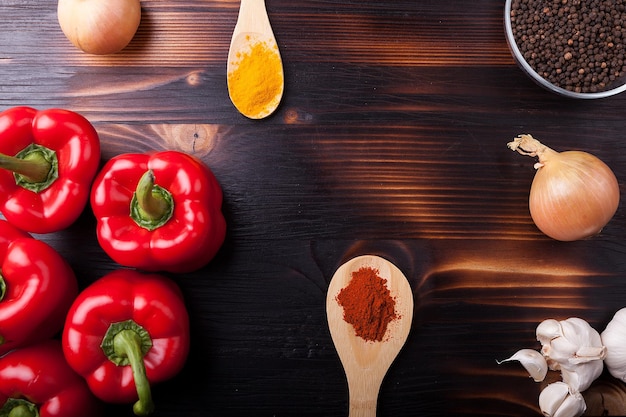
(573, 194)
(99, 27)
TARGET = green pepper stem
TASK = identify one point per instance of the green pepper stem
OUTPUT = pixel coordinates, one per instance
(21, 411)
(34, 167)
(18, 407)
(3, 286)
(127, 343)
(152, 205)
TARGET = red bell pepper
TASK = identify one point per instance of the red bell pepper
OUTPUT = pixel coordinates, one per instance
(126, 331)
(159, 211)
(37, 287)
(50, 158)
(36, 381)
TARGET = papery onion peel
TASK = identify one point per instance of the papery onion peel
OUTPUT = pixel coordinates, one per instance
(573, 194)
(99, 27)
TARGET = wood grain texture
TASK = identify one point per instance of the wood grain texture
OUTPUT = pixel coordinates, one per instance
(390, 140)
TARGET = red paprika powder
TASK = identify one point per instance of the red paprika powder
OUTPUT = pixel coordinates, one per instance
(367, 304)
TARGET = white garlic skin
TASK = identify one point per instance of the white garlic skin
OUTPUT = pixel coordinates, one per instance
(547, 330)
(581, 378)
(533, 361)
(557, 400)
(573, 347)
(614, 338)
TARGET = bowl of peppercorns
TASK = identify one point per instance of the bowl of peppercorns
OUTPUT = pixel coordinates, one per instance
(575, 48)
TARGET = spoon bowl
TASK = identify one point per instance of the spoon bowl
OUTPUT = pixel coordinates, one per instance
(253, 28)
(366, 362)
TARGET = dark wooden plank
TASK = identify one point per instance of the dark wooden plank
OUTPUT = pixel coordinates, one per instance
(391, 140)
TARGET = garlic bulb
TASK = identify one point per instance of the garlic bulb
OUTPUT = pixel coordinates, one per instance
(573, 347)
(614, 338)
(558, 400)
(532, 361)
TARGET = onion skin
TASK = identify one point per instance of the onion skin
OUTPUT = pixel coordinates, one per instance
(573, 194)
(99, 27)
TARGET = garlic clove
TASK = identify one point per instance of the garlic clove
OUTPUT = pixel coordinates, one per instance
(548, 330)
(579, 332)
(533, 361)
(572, 406)
(551, 397)
(588, 354)
(560, 350)
(582, 376)
(557, 400)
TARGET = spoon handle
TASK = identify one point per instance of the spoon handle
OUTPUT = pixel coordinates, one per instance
(253, 16)
(363, 393)
(259, 5)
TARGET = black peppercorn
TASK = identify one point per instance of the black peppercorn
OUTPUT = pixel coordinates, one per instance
(576, 45)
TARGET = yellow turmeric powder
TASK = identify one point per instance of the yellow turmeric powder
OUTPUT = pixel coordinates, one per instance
(256, 84)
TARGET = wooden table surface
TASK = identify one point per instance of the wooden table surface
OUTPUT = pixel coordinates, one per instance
(390, 140)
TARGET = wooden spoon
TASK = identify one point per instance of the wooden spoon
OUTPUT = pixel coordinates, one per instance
(253, 26)
(367, 362)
